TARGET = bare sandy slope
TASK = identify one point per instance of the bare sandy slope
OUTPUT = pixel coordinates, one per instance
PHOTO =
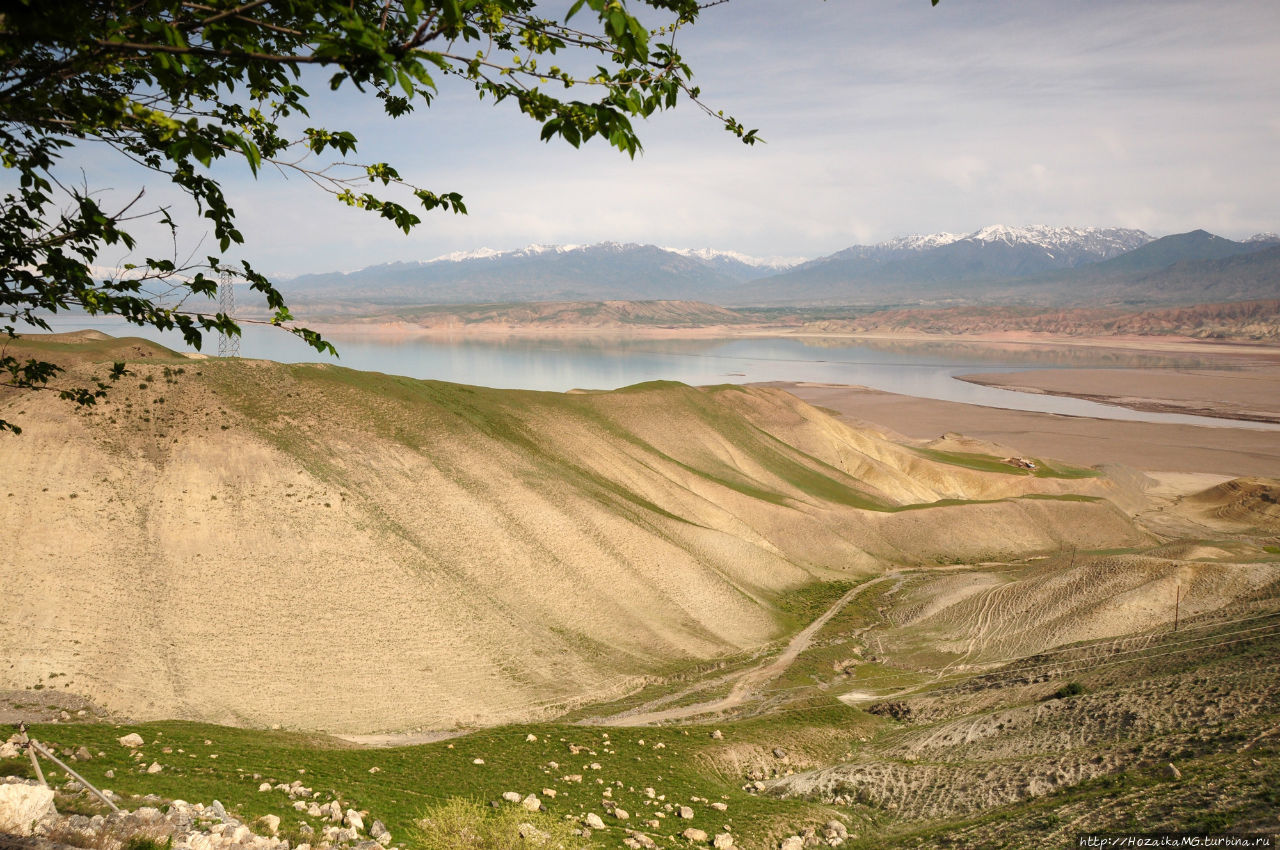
(258, 543)
(1141, 445)
(1247, 393)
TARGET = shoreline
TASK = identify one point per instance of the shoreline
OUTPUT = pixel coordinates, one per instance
(1128, 342)
(1251, 394)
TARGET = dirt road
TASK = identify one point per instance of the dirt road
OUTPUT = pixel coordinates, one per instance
(749, 680)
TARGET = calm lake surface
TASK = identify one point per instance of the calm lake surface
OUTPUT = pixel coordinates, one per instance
(924, 369)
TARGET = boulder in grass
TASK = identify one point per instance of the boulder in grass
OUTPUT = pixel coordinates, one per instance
(23, 806)
(133, 739)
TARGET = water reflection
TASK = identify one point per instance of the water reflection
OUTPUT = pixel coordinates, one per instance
(926, 369)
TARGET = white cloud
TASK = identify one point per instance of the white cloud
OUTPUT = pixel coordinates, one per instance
(881, 119)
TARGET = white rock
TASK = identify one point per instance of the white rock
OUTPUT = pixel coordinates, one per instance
(720, 807)
(266, 786)
(155, 767)
(300, 806)
(717, 735)
(621, 814)
(685, 812)
(271, 822)
(354, 820)
(792, 842)
(133, 739)
(110, 774)
(593, 820)
(511, 796)
(21, 806)
(9, 750)
(532, 803)
(529, 739)
(549, 792)
(477, 761)
(723, 841)
(695, 835)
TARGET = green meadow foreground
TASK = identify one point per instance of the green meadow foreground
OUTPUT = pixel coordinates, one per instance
(849, 637)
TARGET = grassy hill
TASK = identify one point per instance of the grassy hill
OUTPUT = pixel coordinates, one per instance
(420, 553)
(977, 654)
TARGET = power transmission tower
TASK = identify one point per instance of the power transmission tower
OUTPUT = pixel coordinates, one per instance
(228, 344)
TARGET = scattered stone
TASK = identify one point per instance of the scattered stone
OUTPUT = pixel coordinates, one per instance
(621, 814)
(529, 739)
(650, 793)
(572, 777)
(83, 754)
(532, 834)
(133, 739)
(549, 792)
(717, 735)
(723, 841)
(378, 830)
(266, 786)
(271, 822)
(22, 806)
(375, 769)
(110, 774)
(592, 820)
(1172, 772)
(155, 767)
(685, 812)
(792, 842)
(659, 746)
(779, 753)
(511, 796)
(595, 765)
(477, 761)
(532, 803)
(354, 820)
(299, 806)
(695, 835)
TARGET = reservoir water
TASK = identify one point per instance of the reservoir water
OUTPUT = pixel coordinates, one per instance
(924, 369)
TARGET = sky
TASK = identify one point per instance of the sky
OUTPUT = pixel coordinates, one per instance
(881, 118)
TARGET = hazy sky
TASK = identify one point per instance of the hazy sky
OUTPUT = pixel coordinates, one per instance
(882, 119)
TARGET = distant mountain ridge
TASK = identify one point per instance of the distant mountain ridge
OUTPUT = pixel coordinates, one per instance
(1033, 264)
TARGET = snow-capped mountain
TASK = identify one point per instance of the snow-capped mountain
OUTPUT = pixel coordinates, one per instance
(726, 257)
(939, 260)
(604, 271)
(1036, 263)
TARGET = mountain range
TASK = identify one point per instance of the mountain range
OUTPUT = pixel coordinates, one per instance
(996, 264)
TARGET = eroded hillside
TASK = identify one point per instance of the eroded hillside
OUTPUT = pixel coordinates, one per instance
(245, 541)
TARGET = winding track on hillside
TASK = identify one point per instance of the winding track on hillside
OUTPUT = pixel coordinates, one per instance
(750, 680)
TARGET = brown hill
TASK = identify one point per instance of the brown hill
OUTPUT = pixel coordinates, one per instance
(564, 315)
(252, 542)
(1248, 502)
(1244, 320)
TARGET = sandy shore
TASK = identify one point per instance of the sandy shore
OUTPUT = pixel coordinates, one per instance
(1251, 393)
(1164, 343)
(1081, 440)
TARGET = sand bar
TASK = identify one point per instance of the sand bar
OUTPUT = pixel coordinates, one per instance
(1251, 393)
(1081, 440)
